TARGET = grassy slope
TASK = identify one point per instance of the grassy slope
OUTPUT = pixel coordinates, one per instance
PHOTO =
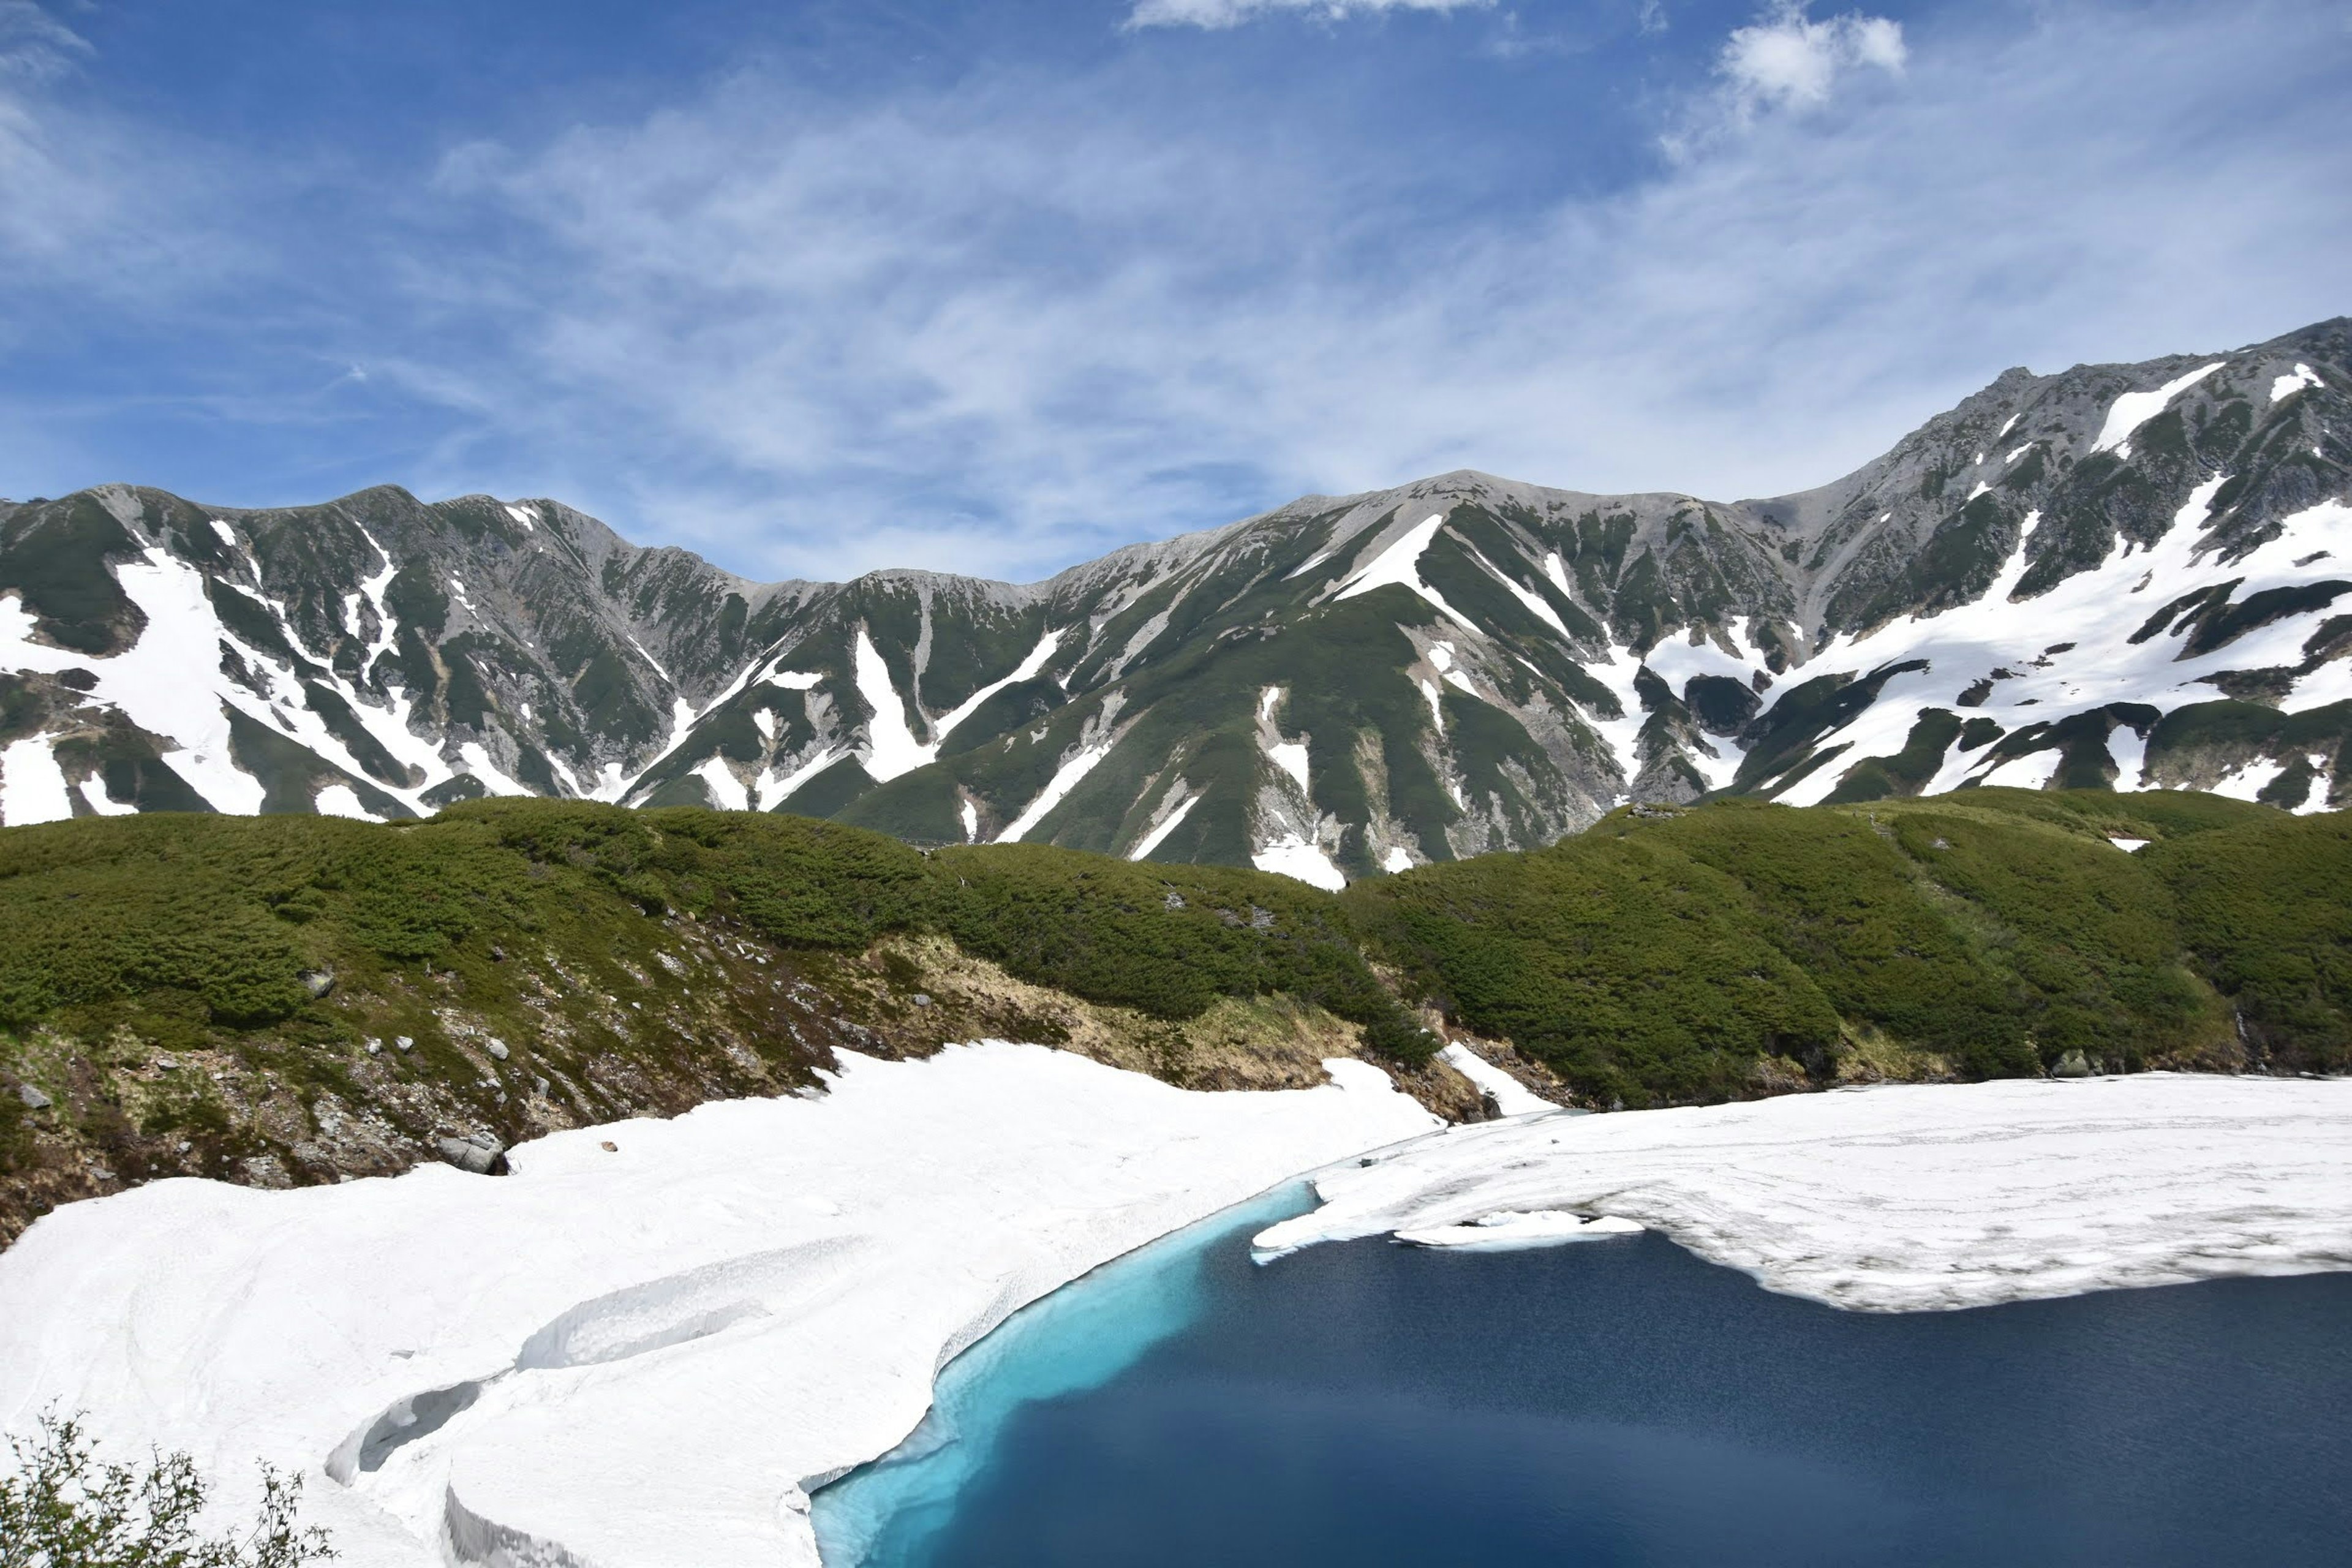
(625, 961)
(1674, 955)
(153, 969)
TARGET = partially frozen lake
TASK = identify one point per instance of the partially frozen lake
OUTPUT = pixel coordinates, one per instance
(648, 1345)
(1620, 1401)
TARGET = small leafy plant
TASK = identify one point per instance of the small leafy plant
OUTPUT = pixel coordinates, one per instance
(64, 1507)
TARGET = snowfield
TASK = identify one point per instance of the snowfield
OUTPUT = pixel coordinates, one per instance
(646, 1344)
(1902, 1198)
(652, 1342)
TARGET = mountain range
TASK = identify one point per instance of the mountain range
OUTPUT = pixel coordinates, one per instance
(2118, 575)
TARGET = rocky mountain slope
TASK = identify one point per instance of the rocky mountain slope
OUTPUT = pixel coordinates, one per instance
(2121, 575)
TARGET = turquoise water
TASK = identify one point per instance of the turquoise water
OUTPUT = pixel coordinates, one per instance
(1621, 1402)
(1081, 1337)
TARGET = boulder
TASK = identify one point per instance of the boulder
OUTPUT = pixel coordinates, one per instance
(2074, 1063)
(481, 1154)
(317, 982)
(33, 1097)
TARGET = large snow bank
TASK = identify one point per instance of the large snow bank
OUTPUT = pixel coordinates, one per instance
(638, 1354)
(1912, 1197)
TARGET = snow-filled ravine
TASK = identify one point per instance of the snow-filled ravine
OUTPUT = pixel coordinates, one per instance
(1899, 1198)
(645, 1345)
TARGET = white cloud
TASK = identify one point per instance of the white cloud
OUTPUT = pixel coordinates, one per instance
(962, 332)
(1012, 322)
(1214, 14)
(1787, 60)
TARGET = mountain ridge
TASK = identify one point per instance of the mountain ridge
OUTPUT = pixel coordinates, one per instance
(1335, 688)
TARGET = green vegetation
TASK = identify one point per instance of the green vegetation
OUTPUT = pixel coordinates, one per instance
(191, 982)
(65, 1508)
(176, 987)
(1672, 955)
(2266, 911)
(178, 926)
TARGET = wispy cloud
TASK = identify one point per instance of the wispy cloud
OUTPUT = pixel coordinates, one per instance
(963, 326)
(1214, 14)
(1004, 319)
(85, 199)
(35, 44)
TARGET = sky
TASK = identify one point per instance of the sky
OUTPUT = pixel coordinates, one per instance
(814, 289)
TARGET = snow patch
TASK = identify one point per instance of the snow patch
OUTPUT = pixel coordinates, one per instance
(779, 785)
(726, 791)
(1025, 670)
(167, 682)
(1398, 858)
(793, 680)
(477, 758)
(341, 800)
(2248, 782)
(522, 515)
(1065, 779)
(2134, 409)
(891, 748)
(1290, 756)
(1293, 856)
(1166, 826)
(2286, 387)
(31, 786)
(1400, 565)
(2032, 771)
(634, 644)
(1511, 1097)
(2129, 846)
(92, 794)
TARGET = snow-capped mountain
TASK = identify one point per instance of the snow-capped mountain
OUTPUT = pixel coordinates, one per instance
(2120, 575)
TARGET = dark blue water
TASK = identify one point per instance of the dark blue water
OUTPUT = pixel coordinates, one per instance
(1616, 1402)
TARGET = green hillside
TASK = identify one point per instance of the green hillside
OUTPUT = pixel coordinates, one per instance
(281, 1000)
(1667, 955)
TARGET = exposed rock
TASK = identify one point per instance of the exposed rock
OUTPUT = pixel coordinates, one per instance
(497, 1048)
(317, 982)
(2074, 1063)
(481, 1154)
(33, 1097)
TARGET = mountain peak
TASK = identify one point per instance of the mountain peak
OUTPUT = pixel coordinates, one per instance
(2116, 573)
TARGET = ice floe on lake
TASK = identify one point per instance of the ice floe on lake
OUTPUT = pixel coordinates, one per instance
(1903, 1197)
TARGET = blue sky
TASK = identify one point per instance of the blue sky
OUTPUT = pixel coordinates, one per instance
(817, 288)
